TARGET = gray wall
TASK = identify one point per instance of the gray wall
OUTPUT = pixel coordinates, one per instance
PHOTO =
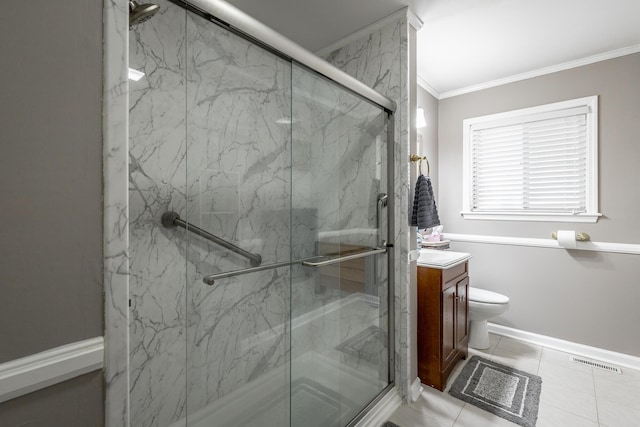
(66, 404)
(51, 183)
(429, 133)
(585, 297)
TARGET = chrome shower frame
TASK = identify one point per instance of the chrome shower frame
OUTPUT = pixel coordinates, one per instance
(240, 23)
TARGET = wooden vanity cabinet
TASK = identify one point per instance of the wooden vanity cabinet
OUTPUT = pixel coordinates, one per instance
(443, 330)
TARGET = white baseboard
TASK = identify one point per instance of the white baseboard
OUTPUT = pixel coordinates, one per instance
(416, 389)
(620, 359)
(382, 411)
(37, 371)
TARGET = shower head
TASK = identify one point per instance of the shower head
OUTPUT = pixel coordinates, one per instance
(139, 13)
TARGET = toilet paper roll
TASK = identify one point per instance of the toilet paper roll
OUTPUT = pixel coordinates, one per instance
(567, 239)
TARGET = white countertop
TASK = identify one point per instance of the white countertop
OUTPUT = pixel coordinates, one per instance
(441, 259)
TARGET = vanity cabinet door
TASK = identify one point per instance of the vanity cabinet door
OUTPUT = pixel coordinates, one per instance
(449, 341)
(462, 313)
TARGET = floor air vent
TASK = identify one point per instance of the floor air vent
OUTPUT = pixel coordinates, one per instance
(596, 364)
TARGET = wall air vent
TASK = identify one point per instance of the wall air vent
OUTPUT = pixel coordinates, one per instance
(596, 364)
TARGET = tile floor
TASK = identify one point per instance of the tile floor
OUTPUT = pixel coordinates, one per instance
(573, 395)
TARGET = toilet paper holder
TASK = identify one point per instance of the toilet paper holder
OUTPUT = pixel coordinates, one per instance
(580, 237)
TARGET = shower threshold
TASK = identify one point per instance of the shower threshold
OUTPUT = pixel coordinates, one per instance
(304, 392)
(269, 400)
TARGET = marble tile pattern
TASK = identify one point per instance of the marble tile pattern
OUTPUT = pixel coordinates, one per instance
(380, 60)
(344, 378)
(116, 221)
(157, 183)
(339, 155)
(209, 139)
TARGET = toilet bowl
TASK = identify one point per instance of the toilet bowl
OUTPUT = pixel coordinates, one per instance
(483, 305)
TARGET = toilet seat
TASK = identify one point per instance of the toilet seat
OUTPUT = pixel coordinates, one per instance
(486, 297)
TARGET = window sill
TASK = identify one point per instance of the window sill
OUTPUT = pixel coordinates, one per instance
(541, 217)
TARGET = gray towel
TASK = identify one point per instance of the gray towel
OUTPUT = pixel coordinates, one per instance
(425, 212)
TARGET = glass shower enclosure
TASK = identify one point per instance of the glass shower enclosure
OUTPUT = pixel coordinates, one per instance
(259, 234)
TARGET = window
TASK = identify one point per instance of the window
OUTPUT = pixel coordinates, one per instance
(535, 164)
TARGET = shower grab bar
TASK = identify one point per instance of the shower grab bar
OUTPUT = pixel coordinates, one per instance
(171, 219)
(345, 258)
(307, 262)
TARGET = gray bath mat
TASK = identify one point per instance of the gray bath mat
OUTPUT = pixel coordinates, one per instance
(506, 392)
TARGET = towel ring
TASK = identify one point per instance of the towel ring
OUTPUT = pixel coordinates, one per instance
(415, 158)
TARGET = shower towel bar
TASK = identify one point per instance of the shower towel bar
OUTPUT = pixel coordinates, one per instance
(172, 219)
(345, 258)
(307, 262)
(210, 280)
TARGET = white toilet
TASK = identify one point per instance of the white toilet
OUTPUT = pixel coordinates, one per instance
(483, 305)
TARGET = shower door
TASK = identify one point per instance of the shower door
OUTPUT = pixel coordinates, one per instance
(238, 188)
(290, 168)
(339, 315)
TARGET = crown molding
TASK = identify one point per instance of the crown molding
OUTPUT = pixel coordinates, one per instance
(612, 54)
(543, 71)
(426, 86)
(414, 20)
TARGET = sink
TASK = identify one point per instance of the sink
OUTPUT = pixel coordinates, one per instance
(441, 259)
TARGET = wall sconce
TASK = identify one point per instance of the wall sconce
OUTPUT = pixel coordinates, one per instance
(420, 121)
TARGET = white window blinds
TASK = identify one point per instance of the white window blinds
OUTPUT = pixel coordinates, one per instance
(534, 161)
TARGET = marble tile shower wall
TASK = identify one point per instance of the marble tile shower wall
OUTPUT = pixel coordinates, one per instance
(341, 169)
(205, 142)
(380, 60)
(157, 182)
(225, 167)
(239, 186)
(339, 161)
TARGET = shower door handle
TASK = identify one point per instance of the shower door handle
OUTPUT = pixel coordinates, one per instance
(345, 258)
(381, 202)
